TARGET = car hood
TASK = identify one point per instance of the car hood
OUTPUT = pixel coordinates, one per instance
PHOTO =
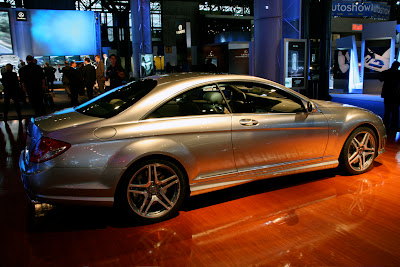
(63, 119)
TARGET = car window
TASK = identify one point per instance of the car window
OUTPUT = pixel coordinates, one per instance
(202, 100)
(259, 98)
(116, 100)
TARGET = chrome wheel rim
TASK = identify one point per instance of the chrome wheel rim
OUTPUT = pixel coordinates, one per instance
(361, 152)
(153, 190)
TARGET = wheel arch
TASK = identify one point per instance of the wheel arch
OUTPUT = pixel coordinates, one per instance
(367, 125)
(152, 157)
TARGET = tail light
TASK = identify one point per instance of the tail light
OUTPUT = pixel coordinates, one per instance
(47, 148)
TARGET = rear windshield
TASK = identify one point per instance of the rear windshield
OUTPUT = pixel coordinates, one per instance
(116, 100)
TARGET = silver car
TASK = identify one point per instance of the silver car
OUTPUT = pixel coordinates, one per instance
(145, 146)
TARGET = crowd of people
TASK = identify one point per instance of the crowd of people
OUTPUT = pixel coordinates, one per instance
(37, 83)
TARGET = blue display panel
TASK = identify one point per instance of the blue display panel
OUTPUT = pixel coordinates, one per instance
(5, 34)
(63, 32)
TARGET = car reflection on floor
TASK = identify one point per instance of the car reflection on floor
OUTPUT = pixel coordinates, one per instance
(318, 218)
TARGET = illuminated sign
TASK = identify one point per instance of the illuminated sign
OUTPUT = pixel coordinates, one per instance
(378, 10)
(180, 30)
(357, 27)
(21, 15)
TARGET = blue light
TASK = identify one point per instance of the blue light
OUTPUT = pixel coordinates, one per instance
(63, 32)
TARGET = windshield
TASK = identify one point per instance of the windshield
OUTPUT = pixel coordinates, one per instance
(116, 100)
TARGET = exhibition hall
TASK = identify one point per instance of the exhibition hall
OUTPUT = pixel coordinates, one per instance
(199, 133)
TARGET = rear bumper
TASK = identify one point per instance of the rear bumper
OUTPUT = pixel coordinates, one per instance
(77, 186)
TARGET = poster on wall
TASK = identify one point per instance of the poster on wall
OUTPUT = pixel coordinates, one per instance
(376, 58)
(146, 65)
(295, 55)
(5, 34)
(341, 65)
(341, 69)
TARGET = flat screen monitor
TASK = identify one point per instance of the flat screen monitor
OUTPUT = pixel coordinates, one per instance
(63, 32)
(72, 58)
(6, 47)
(57, 60)
(87, 56)
(42, 60)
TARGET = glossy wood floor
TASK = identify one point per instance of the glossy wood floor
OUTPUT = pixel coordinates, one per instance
(320, 218)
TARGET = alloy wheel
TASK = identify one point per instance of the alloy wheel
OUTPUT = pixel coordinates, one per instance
(153, 190)
(361, 151)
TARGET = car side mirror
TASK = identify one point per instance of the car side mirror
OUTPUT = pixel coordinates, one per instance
(311, 108)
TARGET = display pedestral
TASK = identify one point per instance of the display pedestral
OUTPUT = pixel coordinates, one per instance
(346, 72)
(295, 58)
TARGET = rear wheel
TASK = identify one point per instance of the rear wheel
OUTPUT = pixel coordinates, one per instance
(152, 191)
(359, 151)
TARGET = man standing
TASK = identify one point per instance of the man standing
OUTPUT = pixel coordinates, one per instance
(89, 77)
(49, 74)
(100, 74)
(107, 62)
(391, 96)
(65, 80)
(11, 88)
(32, 78)
(115, 73)
(76, 82)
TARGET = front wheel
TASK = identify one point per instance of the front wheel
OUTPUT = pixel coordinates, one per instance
(152, 191)
(359, 151)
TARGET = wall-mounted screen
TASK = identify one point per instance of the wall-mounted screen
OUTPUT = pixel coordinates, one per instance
(57, 60)
(87, 56)
(42, 60)
(63, 32)
(5, 34)
(72, 58)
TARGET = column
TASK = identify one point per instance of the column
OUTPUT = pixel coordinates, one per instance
(268, 56)
(141, 33)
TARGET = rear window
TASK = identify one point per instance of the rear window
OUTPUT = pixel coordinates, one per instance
(116, 100)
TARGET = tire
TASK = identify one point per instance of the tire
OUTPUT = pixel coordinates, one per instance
(359, 151)
(152, 198)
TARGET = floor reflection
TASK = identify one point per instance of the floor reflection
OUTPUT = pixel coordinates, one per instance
(318, 218)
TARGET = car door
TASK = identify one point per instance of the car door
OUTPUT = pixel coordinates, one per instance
(198, 125)
(271, 128)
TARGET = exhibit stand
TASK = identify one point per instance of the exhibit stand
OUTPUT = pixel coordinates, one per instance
(377, 52)
(346, 71)
(295, 67)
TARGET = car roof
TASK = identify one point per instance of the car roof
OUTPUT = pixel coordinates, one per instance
(175, 83)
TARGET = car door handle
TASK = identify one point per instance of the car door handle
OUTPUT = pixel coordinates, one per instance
(248, 122)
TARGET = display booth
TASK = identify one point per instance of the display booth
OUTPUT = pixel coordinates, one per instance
(377, 52)
(346, 72)
(49, 35)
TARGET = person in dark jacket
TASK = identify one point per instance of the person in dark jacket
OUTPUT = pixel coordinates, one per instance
(115, 73)
(89, 77)
(391, 95)
(65, 80)
(11, 89)
(32, 79)
(100, 74)
(75, 78)
(49, 75)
